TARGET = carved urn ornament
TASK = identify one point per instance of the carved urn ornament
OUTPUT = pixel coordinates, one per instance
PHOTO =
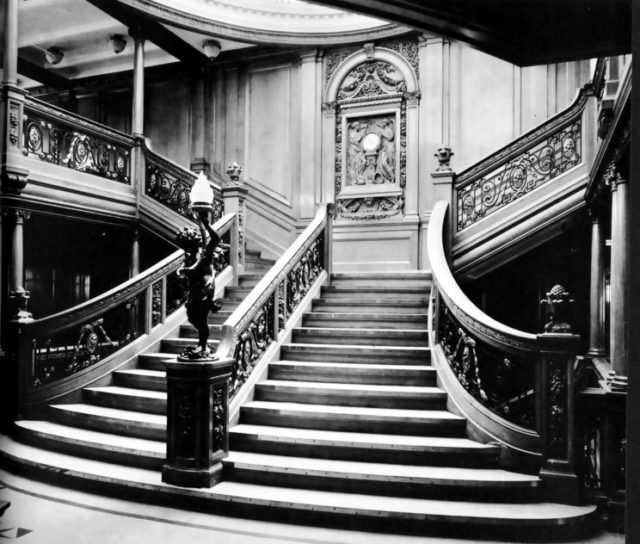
(444, 155)
(557, 303)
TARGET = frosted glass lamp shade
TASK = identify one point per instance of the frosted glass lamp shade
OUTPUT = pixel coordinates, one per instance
(201, 194)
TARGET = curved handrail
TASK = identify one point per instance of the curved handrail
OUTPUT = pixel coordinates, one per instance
(484, 326)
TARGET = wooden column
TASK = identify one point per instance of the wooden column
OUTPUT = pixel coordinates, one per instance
(134, 269)
(234, 194)
(619, 273)
(18, 297)
(137, 113)
(596, 307)
(10, 64)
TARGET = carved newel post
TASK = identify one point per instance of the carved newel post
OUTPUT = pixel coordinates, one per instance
(442, 180)
(234, 193)
(555, 398)
(197, 383)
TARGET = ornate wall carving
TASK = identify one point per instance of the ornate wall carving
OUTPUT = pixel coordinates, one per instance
(371, 151)
(370, 79)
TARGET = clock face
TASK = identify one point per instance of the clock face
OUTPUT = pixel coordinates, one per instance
(370, 142)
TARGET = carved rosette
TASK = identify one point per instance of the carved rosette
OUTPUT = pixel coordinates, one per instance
(219, 418)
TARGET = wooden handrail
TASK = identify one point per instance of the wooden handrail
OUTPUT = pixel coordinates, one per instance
(266, 287)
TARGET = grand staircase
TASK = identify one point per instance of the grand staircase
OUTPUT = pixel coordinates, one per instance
(350, 429)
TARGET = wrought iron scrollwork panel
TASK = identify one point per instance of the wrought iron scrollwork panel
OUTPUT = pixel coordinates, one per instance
(301, 277)
(177, 292)
(534, 167)
(73, 349)
(251, 344)
(62, 145)
(501, 383)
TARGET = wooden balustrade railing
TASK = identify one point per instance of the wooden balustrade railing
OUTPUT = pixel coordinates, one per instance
(528, 162)
(524, 382)
(255, 324)
(59, 137)
(55, 349)
(169, 183)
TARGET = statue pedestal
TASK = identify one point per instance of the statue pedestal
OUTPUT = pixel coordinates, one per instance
(197, 422)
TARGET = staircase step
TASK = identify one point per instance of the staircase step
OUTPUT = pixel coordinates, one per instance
(125, 398)
(188, 331)
(121, 422)
(220, 317)
(362, 337)
(353, 373)
(366, 447)
(96, 445)
(365, 320)
(249, 279)
(381, 280)
(356, 354)
(344, 394)
(355, 419)
(357, 305)
(448, 483)
(178, 345)
(394, 515)
(377, 290)
(155, 361)
(237, 292)
(375, 297)
(141, 378)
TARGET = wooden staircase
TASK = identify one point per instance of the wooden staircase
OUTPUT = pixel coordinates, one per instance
(349, 429)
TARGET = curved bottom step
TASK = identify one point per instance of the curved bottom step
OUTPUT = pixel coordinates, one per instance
(531, 521)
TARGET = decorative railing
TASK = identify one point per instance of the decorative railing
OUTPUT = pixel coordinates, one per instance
(256, 323)
(62, 345)
(601, 442)
(527, 163)
(523, 381)
(56, 136)
(169, 184)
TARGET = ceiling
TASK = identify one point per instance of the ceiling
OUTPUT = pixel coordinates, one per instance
(521, 31)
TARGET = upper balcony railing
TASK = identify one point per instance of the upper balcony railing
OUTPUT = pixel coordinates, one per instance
(527, 163)
(59, 137)
(169, 183)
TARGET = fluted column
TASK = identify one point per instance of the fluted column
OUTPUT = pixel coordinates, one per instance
(619, 272)
(596, 306)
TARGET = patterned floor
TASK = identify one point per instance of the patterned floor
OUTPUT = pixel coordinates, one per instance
(43, 514)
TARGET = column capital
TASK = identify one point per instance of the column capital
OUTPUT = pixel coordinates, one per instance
(20, 215)
(137, 33)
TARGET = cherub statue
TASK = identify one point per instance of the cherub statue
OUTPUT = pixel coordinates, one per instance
(200, 273)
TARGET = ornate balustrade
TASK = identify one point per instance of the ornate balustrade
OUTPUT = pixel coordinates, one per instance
(56, 349)
(255, 324)
(170, 183)
(56, 136)
(528, 162)
(516, 385)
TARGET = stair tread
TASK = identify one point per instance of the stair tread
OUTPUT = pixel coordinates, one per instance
(366, 315)
(143, 372)
(328, 365)
(308, 465)
(93, 437)
(113, 413)
(128, 391)
(363, 331)
(399, 389)
(353, 410)
(374, 349)
(287, 497)
(394, 441)
(160, 355)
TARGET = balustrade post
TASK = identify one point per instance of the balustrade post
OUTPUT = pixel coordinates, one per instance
(443, 189)
(555, 407)
(328, 239)
(197, 422)
(234, 194)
